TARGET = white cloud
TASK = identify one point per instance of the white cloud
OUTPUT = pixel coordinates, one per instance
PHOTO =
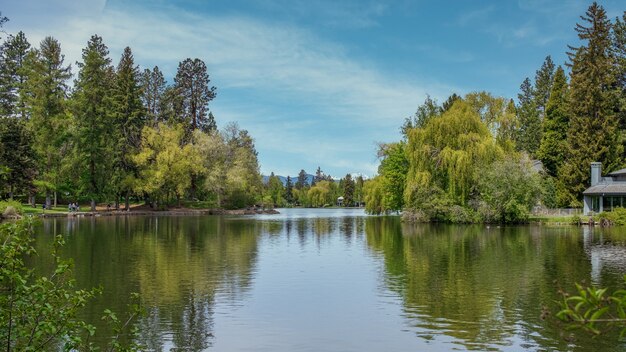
(277, 64)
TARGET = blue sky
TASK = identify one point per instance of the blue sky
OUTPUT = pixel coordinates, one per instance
(318, 83)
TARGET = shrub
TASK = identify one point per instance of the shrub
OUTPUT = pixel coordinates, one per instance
(615, 217)
(11, 208)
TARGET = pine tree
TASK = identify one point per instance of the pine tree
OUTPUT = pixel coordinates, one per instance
(319, 176)
(152, 89)
(13, 76)
(47, 89)
(289, 191)
(555, 125)
(529, 134)
(17, 159)
(94, 120)
(425, 112)
(192, 83)
(543, 85)
(593, 134)
(302, 181)
(619, 49)
(348, 190)
(129, 117)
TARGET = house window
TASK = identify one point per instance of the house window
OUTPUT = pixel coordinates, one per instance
(606, 203)
(595, 204)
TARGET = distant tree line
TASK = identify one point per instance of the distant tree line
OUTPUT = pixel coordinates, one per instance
(117, 132)
(470, 158)
(321, 191)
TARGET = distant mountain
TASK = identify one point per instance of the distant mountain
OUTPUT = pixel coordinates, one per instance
(283, 179)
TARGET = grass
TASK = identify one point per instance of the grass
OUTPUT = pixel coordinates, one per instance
(28, 209)
(557, 219)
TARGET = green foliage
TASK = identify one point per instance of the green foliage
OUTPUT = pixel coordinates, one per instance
(42, 312)
(509, 189)
(615, 217)
(594, 310)
(553, 146)
(15, 205)
(529, 135)
(593, 133)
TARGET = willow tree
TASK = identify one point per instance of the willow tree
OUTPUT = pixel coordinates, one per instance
(444, 154)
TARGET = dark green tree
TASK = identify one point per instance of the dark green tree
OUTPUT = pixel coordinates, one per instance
(13, 75)
(94, 119)
(17, 159)
(449, 102)
(554, 141)
(543, 85)
(47, 91)
(152, 89)
(348, 190)
(302, 180)
(593, 133)
(424, 113)
(319, 175)
(529, 134)
(192, 83)
(129, 115)
(289, 191)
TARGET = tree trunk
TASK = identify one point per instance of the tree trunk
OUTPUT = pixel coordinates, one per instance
(127, 201)
(93, 204)
(55, 198)
(48, 200)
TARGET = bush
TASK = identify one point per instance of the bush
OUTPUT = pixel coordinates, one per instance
(11, 208)
(616, 217)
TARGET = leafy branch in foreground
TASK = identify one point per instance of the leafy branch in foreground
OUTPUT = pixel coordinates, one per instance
(594, 310)
(39, 312)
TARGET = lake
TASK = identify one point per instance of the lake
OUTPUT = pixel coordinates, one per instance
(337, 280)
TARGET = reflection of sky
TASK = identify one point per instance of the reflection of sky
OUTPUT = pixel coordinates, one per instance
(318, 82)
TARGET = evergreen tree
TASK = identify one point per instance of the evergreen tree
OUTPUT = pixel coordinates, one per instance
(554, 142)
(129, 117)
(348, 190)
(275, 189)
(424, 113)
(449, 102)
(13, 76)
(319, 175)
(47, 89)
(529, 134)
(593, 133)
(94, 120)
(543, 85)
(302, 181)
(17, 159)
(289, 191)
(152, 89)
(619, 49)
(192, 83)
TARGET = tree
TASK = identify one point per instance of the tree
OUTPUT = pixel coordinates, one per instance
(443, 155)
(358, 190)
(213, 151)
(13, 76)
(243, 179)
(152, 89)
(529, 134)
(165, 163)
(543, 85)
(593, 134)
(289, 191)
(348, 190)
(275, 189)
(373, 192)
(17, 160)
(319, 175)
(553, 146)
(47, 89)
(449, 102)
(192, 83)
(129, 116)
(424, 113)
(392, 171)
(302, 180)
(94, 120)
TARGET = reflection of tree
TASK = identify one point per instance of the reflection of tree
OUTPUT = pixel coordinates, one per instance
(481, 286)
(179, 265)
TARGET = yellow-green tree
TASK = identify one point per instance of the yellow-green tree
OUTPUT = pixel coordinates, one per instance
(165, 163)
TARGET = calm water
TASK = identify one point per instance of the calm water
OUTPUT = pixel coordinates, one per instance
(337, 280)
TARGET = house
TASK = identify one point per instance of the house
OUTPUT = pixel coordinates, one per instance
(605, 193)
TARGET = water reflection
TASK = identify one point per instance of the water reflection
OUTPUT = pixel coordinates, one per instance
(326, 280)
(483, 286)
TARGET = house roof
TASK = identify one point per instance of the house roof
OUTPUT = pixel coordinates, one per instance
(608, 189)
(621, 172)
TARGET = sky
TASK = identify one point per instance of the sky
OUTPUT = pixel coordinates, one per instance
(320, 83)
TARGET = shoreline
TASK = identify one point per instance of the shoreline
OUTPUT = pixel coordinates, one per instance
(179, 212)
